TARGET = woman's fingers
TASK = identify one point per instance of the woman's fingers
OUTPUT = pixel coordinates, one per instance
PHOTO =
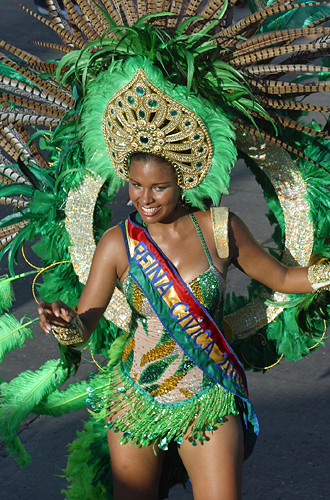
(45, 311)
(61, 310)
(55, 313)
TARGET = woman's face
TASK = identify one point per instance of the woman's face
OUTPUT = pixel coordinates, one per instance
(153, 190)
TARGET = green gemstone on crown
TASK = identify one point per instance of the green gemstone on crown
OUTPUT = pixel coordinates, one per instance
(120, 104)
(152, 103)
(173, 112)
(130, 99)
(142, 114)
(187, 123)
(140, 90)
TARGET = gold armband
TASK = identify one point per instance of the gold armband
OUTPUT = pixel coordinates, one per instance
(319, 275)
(73, 333)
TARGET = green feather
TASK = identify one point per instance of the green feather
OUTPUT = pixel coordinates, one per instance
(6, 294)
(16, 189)
(61, 402)
(88, 454)
(13, 333)
(24, 392)
(18, 452)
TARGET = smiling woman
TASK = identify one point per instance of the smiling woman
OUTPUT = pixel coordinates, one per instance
(158, 198)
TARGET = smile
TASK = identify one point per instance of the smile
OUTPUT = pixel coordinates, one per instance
(149, 211)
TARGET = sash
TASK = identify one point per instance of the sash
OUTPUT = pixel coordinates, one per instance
(184, 318)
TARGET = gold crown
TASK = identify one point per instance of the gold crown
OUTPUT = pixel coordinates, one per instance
(141, 118)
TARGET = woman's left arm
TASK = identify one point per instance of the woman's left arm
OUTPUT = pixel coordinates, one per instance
(256, 262)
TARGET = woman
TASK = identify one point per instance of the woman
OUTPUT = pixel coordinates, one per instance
(155, 194)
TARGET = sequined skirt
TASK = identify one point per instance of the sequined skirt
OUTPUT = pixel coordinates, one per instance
(143, 420)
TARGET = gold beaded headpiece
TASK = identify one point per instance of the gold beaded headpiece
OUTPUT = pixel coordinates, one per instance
(141, 118)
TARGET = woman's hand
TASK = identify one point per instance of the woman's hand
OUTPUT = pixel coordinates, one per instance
(56, 313)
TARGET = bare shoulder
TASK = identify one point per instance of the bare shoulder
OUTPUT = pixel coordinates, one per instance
(204, 219)
(111, 250)
(205, 223)
(111, 239)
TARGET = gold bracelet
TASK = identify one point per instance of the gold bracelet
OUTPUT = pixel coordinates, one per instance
(73, 333)
(319, 275)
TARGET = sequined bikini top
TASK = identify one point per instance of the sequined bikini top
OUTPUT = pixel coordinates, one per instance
(208, 288)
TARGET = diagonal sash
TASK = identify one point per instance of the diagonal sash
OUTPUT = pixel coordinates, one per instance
(184, 318)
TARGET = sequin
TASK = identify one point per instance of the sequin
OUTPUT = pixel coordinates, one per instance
(163, 445)
(291, 190)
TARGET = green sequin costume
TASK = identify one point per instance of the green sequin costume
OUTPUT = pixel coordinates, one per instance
(157, 393)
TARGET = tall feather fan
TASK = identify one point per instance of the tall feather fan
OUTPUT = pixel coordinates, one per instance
(262, 70)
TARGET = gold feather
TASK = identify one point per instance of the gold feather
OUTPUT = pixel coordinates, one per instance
(272, 52)
(52, 46)
(175, 6)
(49, 86)
(252, 22)
(270, 69)
(80, 22)
(292, 105)
(62, 33)
(43, 109)
(32, 62)
(277, 87)
(15, 202)
(276, 142)
(23, 117)
(141, 7)
(114, 10)
(6, 240)
(94, 16)
(12, 175)
(12, 142)
(260, 41)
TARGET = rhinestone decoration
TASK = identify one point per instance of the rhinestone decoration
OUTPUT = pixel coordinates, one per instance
(219, 217)
(319, 275)
(142, 118)
(79, 210)
(291, 190)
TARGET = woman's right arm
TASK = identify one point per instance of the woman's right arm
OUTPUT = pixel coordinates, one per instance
(109, 264)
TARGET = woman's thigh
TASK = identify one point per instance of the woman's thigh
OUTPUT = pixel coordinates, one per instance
(135, 471)
(215, 466)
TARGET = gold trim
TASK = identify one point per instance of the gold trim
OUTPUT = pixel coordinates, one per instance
(141, 118)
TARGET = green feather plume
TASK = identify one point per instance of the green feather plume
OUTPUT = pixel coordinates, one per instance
(23, 393)
(13, 333)
(7, 295)
(61, 402)
(314, 306)
(88, 454)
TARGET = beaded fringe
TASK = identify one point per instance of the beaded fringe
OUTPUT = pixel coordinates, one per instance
(144, 422)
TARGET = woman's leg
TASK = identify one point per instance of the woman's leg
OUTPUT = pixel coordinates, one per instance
(215, 466)
(136, 471)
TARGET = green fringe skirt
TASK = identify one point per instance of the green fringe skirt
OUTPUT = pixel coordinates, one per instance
(144, 421)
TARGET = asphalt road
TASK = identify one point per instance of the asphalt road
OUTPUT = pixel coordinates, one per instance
(292, 401)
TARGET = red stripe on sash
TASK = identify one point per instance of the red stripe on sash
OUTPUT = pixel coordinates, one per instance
(149, 249)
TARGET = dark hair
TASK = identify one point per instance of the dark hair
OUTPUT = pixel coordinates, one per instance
(159, 160)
